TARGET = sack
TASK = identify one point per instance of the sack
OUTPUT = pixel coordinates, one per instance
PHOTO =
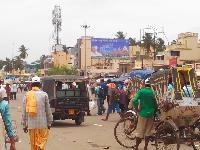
(92, 105)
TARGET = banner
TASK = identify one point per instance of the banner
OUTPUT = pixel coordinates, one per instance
(173, 62)
(109, 47)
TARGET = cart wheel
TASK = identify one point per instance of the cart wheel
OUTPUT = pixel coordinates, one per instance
(196, 137)
(79, 119)
(123, 132)
(166, 137)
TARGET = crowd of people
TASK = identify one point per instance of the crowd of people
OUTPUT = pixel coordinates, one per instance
(115, 94)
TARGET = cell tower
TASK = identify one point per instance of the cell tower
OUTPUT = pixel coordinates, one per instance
(57, 21)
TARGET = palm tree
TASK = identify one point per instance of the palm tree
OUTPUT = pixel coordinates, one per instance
(18, 63)
(132, 42)
(160, 45)
(65, 49)
(23, 52)
(148, 42)
(9, 65)
(120, 35)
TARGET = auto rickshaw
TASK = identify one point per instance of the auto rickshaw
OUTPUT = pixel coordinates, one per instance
(68, 96)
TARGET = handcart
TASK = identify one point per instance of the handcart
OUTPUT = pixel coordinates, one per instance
(178, 119)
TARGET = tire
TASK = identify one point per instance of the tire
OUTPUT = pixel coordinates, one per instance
(167, 138)
(79, 120)
(123, 132)
(196, 136)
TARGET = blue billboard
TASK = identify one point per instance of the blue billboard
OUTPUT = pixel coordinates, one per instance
(109, 47)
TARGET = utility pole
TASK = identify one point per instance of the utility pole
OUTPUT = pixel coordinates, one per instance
(85, 29)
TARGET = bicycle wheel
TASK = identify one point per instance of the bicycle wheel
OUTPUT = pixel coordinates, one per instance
(167, 138)
(123, 132)
(196, 136)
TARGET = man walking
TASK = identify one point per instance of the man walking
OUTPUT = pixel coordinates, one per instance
(4, 110)
(37, 116)
(146, 105)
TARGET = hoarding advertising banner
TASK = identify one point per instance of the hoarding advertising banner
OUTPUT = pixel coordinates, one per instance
(173, 62)
(109, 47)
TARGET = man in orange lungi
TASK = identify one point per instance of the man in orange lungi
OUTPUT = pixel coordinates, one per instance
(37, 116)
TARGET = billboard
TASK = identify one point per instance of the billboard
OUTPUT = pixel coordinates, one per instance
(102, 47)
(173, 62)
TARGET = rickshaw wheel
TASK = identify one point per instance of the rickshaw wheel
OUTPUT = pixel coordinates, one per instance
(123, 132)
(167, 138)
(196, 137)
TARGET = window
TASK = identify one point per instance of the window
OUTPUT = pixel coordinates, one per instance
(175, 53)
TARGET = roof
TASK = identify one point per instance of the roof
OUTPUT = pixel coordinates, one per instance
(63, 77)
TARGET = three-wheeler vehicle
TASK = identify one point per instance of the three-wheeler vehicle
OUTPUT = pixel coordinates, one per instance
(68, 96)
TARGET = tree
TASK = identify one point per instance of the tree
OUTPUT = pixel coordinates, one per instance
(160, 45)
(9, 65)
(65, 49)
(148, 42)
(132, 42)
(120, 35)
(62, 71)
(18, 63)
(23, 52)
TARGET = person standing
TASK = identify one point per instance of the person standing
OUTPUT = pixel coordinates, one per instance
(13, 91)
(37, 116)
(8, 91)
(146, 105)
(113, 102)
(5, 113)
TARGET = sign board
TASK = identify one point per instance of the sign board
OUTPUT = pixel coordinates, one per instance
(102, 47)
(173, 62)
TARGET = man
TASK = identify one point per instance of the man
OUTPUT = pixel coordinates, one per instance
(4, 110)
(13, 91)
(99, 100)
(145, 103)
(37, 116)
(113, 104)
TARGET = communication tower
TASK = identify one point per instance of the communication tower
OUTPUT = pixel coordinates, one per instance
(57, 22)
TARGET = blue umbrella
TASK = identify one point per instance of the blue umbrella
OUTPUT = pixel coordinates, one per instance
(143, 74)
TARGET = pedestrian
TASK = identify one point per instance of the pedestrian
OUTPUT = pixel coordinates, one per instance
(99, 100)
(5, 114)
(8, 91)
(122, 99)
(146, 105)
(37, 116)
(13, 91)
(113, 100)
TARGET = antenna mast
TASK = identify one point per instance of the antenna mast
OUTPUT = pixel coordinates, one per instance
(56, 21)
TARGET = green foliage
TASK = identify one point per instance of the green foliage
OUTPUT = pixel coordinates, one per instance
(132, 42)
(160, 45)
(120, 35)
(23, 52)
(62, 71)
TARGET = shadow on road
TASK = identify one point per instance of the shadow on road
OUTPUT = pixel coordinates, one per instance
(65, 124)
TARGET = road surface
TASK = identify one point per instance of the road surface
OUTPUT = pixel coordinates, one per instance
(93, 134)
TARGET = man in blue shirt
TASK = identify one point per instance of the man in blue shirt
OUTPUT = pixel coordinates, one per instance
(4, 110)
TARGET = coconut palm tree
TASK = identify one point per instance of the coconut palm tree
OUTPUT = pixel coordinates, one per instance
(23, 52)
(120, 35)
(160, 45)
(18, 63)
(148, 42)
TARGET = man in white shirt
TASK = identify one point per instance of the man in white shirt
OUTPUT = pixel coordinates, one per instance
(13, 91)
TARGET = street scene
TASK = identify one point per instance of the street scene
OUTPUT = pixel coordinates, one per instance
(94, 75)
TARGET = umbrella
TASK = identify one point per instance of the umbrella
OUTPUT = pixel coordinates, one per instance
(143, 74)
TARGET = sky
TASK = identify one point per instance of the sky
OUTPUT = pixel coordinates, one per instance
(29, 22)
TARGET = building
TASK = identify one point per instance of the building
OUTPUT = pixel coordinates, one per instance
(185, 48)
(102, 54)
(61, 58)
